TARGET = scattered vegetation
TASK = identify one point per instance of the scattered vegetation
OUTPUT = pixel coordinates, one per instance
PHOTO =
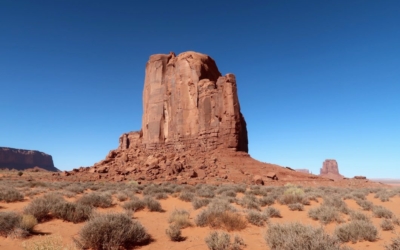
(218, 240)
(357, 230)
(103, 200)
(110, 231)
(180, 218)
(8, 194)
(325, 214)
(382, 212)
(174, 233)
(295, 236)
(272, 212)
(256, 218)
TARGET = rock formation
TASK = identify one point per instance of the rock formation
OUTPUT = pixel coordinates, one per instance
(303, 170)
(330, 170)
(192, 131)
(21, 159)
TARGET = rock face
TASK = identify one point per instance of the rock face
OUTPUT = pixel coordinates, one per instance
(187, 104)
(330, 169)
(21, 159)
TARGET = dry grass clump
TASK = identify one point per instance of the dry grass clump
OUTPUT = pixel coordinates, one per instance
(394, 245)
(250, 201)
(266, 201)
(355, 215)
(387, 225)
(103, 200)
(325, 214)
(256, 218)
(186, 196)
(272, 212)
(16, 225)
(382, 212)
(75, 188)
(181, 218)
(135, 204)
(296, 207)
(152, 204)
(161, 196)
(174, 233)
(222, 241)
(121, 196)
(220, 214)
(8, 194)
(49, 242)
(205, 192)
(293, 195)
(73, 212)
(294, 236)
(365, 205)
(42, 207)
(198, 203)
(335, 201)
(111, 231)
(357, 230)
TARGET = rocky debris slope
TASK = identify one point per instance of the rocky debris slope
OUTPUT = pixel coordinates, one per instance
(330, 170)
(192, 131)
(21, 159)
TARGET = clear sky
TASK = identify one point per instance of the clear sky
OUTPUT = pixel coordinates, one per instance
(316, 79)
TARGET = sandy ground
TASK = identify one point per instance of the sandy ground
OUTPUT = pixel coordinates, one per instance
(156, 223)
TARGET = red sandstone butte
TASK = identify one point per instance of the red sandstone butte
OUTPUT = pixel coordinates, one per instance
(330, 170)
(192, 131)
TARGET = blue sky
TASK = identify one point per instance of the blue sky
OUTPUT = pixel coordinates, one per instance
(316, 79)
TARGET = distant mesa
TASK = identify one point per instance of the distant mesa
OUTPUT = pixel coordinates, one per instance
(303, 170)
(21, 159)
(330, 169)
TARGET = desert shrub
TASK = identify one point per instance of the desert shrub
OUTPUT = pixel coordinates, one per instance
(41, 207)
(267, 201)
(174, 233)
(110, 231)
(229, 193)
(364, 204)
(249, 202)
(49, 242)
(103, 200)
(135, 204)
(387, 225)
(222, 241)
(272, 212)
(294, 236)
(180, 218)
(198, 203)
(357, 230)
(152, 204)
(28, 222)
(75, 188)
(296, 207)
(8, 194)
(325, 214)
(382, 212)
(218, 241)
(73, 212)
(161, 196)
(186, 196)
(256, 218)
(293, 195)
(394, 245)
(9, 221)
(335, 201)
(121, 196)
(220, 214)
(205, 193)
(355, 215)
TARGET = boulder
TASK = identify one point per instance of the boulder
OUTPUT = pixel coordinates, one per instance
(258, 180)
(272, 176)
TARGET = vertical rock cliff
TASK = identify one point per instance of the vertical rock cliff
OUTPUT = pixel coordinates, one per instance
(21, 159)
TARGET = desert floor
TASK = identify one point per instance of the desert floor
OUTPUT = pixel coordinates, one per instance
(156, 223)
